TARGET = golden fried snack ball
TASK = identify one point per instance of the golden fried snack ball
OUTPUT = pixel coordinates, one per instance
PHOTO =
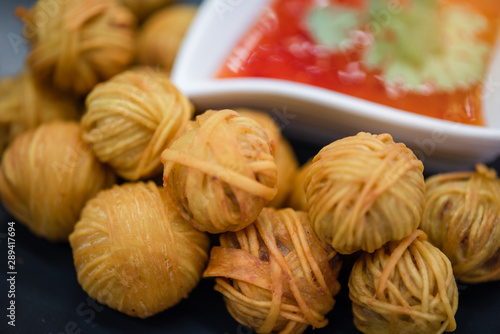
(284, 156)
(406, 287)
(46, 176)
(161, 35)
(78, 43)
(462, 218)
(132, 118)
(143, 8)
(221, 172)
(276, 275)
(363, 191)
(25, 105)
(133, 253)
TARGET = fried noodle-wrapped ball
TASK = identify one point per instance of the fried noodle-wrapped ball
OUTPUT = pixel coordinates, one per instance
(133, 253)
(284, 156)
(162, 34)
(46, 176)
(78, 43)
(363, 191)
(221, 172)
(132, 118)
(276, 275)
(404, 287)
(462, 218)
(25, 105)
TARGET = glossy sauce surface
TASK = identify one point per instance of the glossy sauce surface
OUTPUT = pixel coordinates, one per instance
(280, 46)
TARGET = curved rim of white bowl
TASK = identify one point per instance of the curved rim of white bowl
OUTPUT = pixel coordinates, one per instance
(334, 100)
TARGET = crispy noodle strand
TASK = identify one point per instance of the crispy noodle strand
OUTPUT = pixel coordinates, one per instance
(221, 172)
(284, 155)
(404, 287)
(132, 118)
(78, 43)
(46, 177)
(276, 275)
(25, 104)
(363, 191)
(462, 218)
(133, 253)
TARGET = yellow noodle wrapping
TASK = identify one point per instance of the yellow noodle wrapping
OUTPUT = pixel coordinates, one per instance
(25, 105)
(132, 118)
(78, 43)
(161, 35)
(406, 287)
(221, 172)
(276, 276)
(462, 218)
(46, 176)
(143, 8)
(133, 253)
(363, 191)
(284, 156)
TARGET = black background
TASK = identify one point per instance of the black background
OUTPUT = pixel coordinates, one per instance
(50, 300)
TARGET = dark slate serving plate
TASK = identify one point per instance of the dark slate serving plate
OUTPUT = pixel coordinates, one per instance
(48, 298)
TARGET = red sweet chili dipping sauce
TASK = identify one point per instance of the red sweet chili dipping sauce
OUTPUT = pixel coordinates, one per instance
(424, 56)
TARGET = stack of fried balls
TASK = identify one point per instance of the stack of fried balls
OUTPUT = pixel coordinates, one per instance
(101, 150)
